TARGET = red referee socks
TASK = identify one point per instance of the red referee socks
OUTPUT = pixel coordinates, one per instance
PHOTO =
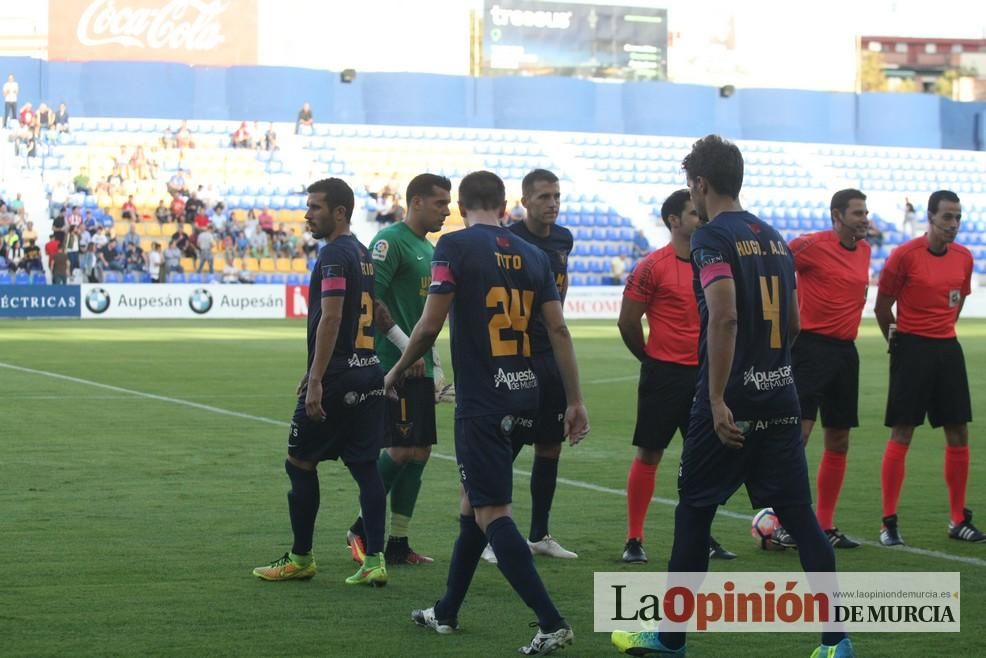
(640, 489)
(956, 476)
(892, 475)
(831, 472)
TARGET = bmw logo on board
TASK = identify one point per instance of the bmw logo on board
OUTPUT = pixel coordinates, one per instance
(98, 300)
(200, 301)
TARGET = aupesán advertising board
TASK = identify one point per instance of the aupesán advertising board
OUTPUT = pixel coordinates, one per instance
(39, 302)
(149, 301)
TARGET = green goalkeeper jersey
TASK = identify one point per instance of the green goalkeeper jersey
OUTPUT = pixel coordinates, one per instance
(402, 274)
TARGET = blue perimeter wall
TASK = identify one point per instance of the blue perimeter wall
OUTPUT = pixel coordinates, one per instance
(178, 91)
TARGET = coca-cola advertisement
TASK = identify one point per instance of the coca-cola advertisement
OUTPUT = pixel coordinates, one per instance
(201, 32)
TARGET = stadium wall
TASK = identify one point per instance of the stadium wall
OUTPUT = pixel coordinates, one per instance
(179, 91)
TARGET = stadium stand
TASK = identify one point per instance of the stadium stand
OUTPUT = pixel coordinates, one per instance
(613, 183)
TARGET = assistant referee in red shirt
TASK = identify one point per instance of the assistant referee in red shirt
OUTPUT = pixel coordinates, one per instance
(833, 276)
(928, 278)
(662, 287)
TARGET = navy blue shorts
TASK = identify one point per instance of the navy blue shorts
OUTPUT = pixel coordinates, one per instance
(484, 453)
(355, 419)
(549, 422)
(771, 464)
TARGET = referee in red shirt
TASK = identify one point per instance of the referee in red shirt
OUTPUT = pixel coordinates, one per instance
(661, 287)
(833, 275)
(928, 278)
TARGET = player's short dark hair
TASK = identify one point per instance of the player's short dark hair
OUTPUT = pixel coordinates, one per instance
(841, 199)
(674, 205)
(938, 197)
(337, 193)
(718, 161)
(535, 175)
(424, 185)
(482, 190)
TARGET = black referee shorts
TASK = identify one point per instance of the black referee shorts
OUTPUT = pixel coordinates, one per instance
(826, 372)
(411, 417)
(664, 401)
(927, 376)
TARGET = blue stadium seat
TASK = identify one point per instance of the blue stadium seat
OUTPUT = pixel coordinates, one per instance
(279, 278)
(594, 280)
(130, 277)
(4, 278)
(38, 279)
(261, 278)
(193, 277)
(176, 277)
(22, 279)
(295, 280)
(111, 276)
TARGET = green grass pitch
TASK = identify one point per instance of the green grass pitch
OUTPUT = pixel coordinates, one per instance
(130, 523)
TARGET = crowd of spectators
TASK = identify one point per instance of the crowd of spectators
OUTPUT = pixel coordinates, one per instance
(20, 250)
(30, 128)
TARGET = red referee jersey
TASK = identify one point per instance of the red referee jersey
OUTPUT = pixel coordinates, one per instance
(832, 283)
(664, 282)
(928, 287)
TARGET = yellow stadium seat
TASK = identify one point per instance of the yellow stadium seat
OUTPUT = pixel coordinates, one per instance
(266, 264)
(188, 264)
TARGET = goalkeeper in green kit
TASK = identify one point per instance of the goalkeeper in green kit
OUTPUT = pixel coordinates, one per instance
(401, 256)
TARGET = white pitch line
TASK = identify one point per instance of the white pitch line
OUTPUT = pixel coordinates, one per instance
(975, 561)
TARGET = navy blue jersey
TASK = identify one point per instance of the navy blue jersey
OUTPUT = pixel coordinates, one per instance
(557, 246)
(500, 283)
(344, 270)
(739, 246)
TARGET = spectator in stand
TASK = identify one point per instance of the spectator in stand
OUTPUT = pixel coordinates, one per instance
(59, 226)
(168, 139)
(205, 242)
(909, 225)
(89, 221)
(113, 184)
(309, 245)
(99, 238)
(270, 138)
(618, 270)
(155, 263)
(193, 207)
(74, 217)
(59, 267)
(306, 120)
(230, 274)
(26, 116)
(219, 218)
(241, 137)
(15, 255)
(228, 244)
(134, 259)
(177, 208)
(129, 211)
(201, 221)
(32, 257)
(266, 222)
(92, 265)
(138, 165)
(111, 257)
(292, 246)
(4, 262)
(517, 213)
(181, 240)
(252, 226)
(62, 118)
(72, 246)
(641, 245)
(177, 185)
(51, 248)
(874, 236)
(172, 258)
(183, 138)
(279, 244)
(242, 246)
(16, 205)
(10, 91)
(46, 118)
(131, 237)
(260, 246)
(81, 182)
(29, 234)
(161, 213)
